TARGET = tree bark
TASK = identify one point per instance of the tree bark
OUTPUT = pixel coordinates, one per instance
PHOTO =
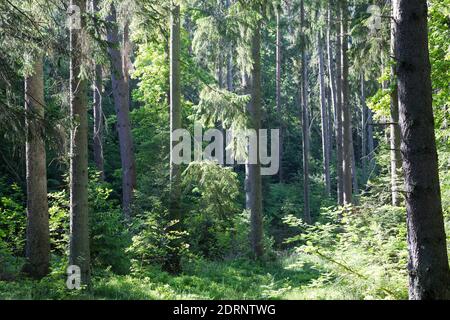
(79, 253)
(364, 113)
(396, 157)
(305, 117)
(278, 92)
(173, 261)
(324, 118)
(339, 130)
(38, 239)
(254, 170)
(121, 94)
(429, 275)
(347, 148)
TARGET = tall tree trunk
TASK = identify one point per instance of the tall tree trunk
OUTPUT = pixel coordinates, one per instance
(278, 92)
(305, 116)
(98, 122)
(38, 239)
(339, 130)
(254, 170)
(347, 148)
(121, 93)
(173, 261)
(331, 74)
(79, 253)
(324, 118)
(98, 112)
(429, 276)
(396, 157)
(364, 112)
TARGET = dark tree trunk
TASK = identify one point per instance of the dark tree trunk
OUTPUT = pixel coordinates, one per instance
(38, 239)
(254, 170)
(173, 260)
(121, 93)
(364, 113)
(79, 253)
(429, 274)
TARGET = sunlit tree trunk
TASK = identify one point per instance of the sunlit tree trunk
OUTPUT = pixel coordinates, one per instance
(305, 117)
(396, 157)
(324, 117)
(278, 92)
(347, 140)
(429, 276)
(339, 130)
(38, 239)
(121, 94)
(79, 253)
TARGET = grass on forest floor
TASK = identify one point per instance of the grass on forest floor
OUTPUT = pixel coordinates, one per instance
(237, 279)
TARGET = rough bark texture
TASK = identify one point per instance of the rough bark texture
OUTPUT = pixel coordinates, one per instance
(324, 118)
(173, 261)
(38, 239)
(79, 217)
(121, 93)
(428, 262)
(347, 141)
(254, 170)
(396, 157)
(339, 131)
(305, 118)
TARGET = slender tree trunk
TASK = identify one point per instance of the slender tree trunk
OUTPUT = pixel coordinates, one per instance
(339, 130)
(324, 118)
(98, 122)
(278, 93)
(121, 93)
(396, 157)
(429, 276)
(364, 112)
(254, 170)
(173, 261)
(79, 253)
(347, 148)
(38, 239)
(98, 112)
(305, 117)
(331, 74)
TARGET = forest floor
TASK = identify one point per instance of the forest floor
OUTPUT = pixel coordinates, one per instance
(234, 279)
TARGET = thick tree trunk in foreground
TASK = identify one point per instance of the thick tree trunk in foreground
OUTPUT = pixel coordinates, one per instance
(347, 140)
(339, 130)
(324, 118)
(121, 93)
(429, 274)
(305, 118)
(38, 239)
(254, 170)
(173, 260)
(79, 217)
(364, 114)
(396, 157)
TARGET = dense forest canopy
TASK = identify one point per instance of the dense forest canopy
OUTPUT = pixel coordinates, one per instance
(224, 149)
